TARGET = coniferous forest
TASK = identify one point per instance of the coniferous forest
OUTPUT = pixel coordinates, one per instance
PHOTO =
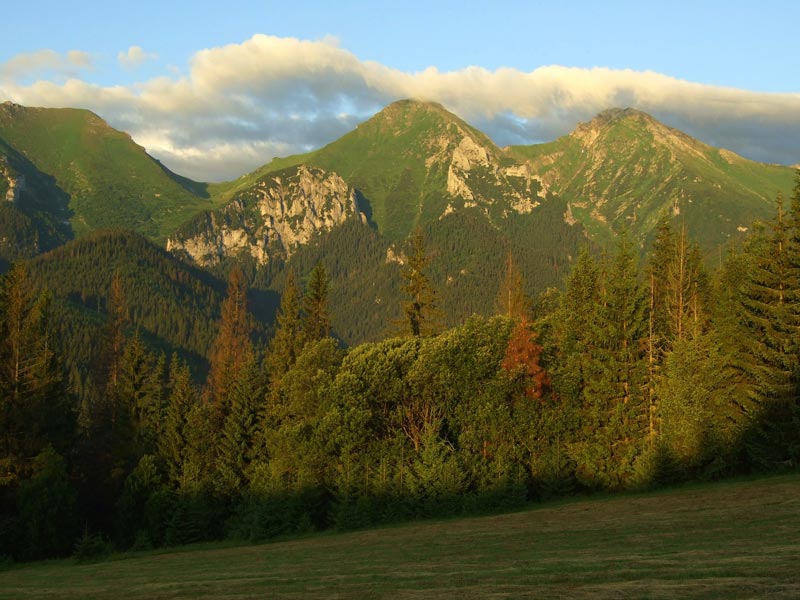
(646, 367)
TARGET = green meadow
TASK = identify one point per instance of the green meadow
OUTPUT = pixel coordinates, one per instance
(738, 539)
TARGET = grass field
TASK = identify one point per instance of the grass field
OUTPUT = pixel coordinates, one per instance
(736, 539)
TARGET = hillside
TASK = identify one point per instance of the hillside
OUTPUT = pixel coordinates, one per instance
(624, 168)
(103, 177)
(34, 212)
(173, 306)
(726, 540)
(412, 163)
(353, 203)
(270, 220)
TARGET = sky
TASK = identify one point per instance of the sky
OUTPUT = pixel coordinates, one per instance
(216, 89)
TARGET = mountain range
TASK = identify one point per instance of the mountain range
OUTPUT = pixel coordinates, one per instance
(414, 166)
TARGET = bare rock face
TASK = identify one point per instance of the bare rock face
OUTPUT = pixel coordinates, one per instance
(477, 177)
(281, 212)
(12, 182)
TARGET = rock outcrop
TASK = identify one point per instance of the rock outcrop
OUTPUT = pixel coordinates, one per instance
(11, 182)
(271, 219)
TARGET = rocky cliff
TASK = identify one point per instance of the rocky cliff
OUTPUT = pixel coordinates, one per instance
(270, 219)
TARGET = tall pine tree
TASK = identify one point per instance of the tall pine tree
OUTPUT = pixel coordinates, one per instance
(232, 349)
(420, 309)
(315, 306)
(615, 412)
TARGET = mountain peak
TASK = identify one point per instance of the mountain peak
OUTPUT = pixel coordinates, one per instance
(414, 104)
(419, 114)
(613, 118)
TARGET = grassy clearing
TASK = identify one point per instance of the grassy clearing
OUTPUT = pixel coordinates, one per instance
(730, 540)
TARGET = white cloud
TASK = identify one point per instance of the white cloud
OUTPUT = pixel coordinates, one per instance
(242, 104)
(134, 57)
(47, 62)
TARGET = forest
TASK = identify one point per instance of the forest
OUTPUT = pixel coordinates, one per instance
(637, 372)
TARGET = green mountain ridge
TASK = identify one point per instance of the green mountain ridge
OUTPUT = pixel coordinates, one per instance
(108, 180)
(626, 169)
(412, 163)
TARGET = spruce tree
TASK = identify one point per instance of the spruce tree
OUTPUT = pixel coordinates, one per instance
(615, 389)
(174, 437)
(511, 298)
(315, 306)
(139, 395)
(769, 352)
(573, 328)
(113, 339)
(287, 343)
(420, 309)
(232, 349)
(36, 409)
(239, 439)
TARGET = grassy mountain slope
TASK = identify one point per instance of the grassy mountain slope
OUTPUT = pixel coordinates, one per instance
(414, 164)
(626, 168)
(402, 162)
(34, 211)
(108, 179)
(724, 540)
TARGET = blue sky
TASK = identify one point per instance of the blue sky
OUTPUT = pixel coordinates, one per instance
(269, 78)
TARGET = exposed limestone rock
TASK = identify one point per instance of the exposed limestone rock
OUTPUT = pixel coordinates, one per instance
(469, 153)
(457, 185)
(477, 177)
(271, 219)
(15, 182)
(393, 256)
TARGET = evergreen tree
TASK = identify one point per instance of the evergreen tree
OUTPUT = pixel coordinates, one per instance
(676, 296)
(239, 444)
(615, 413)
(573, 328)
(173, 441)
(113, 338)
(139, 393)
(768, 353)
(315, 306)
(420, 309)
(287, 343)
(511, 298)
(293, 443)
(232, 349)
(697, 431)
(36, 409)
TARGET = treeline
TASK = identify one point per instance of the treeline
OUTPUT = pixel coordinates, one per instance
(638, 373)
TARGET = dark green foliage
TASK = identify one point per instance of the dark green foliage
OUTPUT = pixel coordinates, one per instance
(36, 408)
(238, 445)
(175, 434)
(92, 548)
(629, 377)
(131, 518)
(420, 308)
(47, 509)
(287, 343)
(174, 306)
(317, 324)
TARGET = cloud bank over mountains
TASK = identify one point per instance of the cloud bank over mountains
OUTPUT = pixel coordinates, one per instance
(240, 105)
